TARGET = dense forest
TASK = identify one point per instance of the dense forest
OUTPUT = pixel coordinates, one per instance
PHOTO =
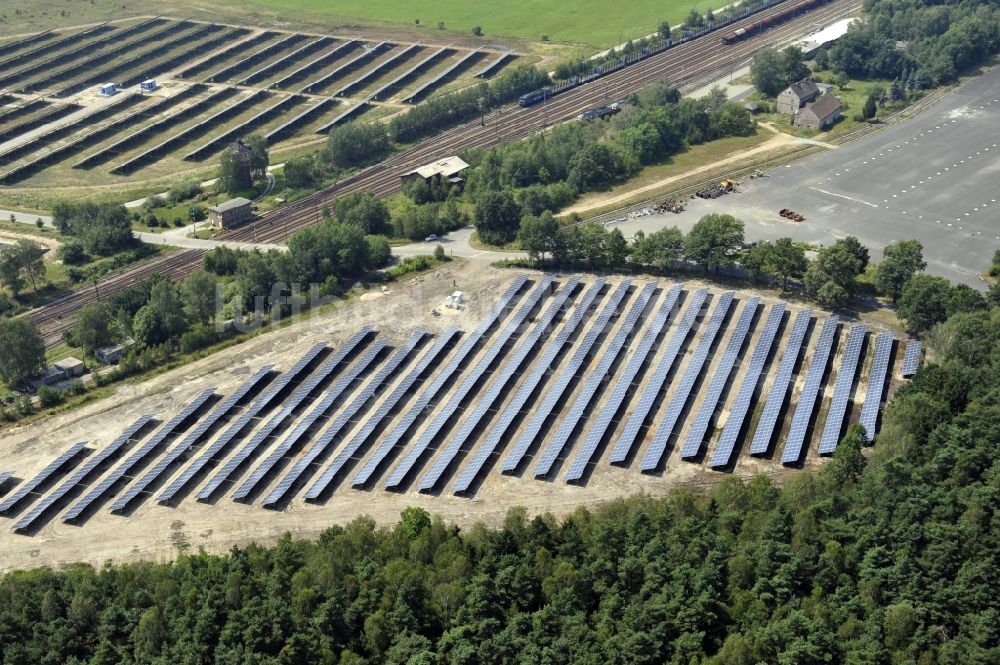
(887, 555)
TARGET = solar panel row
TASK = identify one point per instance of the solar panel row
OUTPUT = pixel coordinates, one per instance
(808, 394)
(738, 411)
(571, 419)
(486, 400)
(696, 433)
(842, 390)
(779, 388)
(431, 390)
(92, 464)
(911, 359)
(614, 401)
(62, 464)
(450, 409)
(568, 373)
(343, 418)
(5, 476)
(381, 413)
(876, 384)
(528, 386)
(658, 379)
(144, 450)
(341, 421)
(210, 454)
(654, 454)
(308, 387)
(178, 451)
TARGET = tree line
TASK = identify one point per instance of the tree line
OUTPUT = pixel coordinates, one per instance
(884, 555)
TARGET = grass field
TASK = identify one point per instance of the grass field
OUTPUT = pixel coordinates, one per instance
(594, 23)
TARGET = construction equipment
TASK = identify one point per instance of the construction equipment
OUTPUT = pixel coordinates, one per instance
(670, 205)
(716, 190)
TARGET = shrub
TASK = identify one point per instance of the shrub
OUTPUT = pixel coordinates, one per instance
(49, 396)
(75, 388)
(198, 338)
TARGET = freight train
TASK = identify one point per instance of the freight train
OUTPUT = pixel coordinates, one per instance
(770, 21)
(540, 95)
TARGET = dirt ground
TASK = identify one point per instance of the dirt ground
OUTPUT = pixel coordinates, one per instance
(156, 532)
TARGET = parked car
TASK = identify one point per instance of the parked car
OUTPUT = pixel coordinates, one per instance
(431, 238)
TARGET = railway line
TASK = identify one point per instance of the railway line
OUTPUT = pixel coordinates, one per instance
(686, 65)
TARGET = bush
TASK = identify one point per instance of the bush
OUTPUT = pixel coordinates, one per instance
(50, 396)
(75, 388)
(184, 190)
(198, 338)
(439, 253)
(72, 252)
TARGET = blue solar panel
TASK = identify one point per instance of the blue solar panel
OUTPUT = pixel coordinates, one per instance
(179, 450)
(62, 464)
(208, 456)
(876, 384)
(486, 400)
(257, 441)
(738, 412)
(842, 390)
(431, 390)
(654, 455)
(514, 408)
(614, 401)
(696, 433)
(475, 375)
(74, 481)
(779, 389)
(911, 359)
(810, 390)
(105, 484)
(338, 425)
(657, 379)
(5, 476)
(381, 413)
(571, 420)
(568, 373)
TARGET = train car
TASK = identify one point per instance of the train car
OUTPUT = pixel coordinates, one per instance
(535, 96)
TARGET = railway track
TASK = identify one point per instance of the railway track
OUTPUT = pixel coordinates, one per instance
(686, 65)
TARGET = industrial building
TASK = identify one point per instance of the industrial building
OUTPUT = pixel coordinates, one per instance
(231, 213)
(447, 168)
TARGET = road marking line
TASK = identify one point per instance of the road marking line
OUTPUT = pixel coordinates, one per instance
(823, 191)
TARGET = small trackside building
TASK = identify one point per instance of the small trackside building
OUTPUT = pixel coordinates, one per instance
(231, 213)
(447, 169)
(819, 114)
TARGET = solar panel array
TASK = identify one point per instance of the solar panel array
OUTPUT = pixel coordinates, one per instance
(554, 394)
(696, 433)
(738, 411)
(445, 413)
(571, 419)
(641, 409)
(5, 476)
(381, 413)
(876, 384)
(911, 359)
(342, 419)
(842, 390)
(65, 462)
(259, 405)
(614, 401)
(780, 386)
(92, 464)
(251, 447)
(654, 454)
(439, 381)
(810, 390)
(528, 385)
(181, 448)
(486, 400)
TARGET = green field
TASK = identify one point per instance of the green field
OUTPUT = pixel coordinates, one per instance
(594, 22)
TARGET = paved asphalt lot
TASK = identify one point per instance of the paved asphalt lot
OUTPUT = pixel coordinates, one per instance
(935, 177)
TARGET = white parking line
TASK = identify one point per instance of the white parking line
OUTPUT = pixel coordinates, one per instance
(842, 196)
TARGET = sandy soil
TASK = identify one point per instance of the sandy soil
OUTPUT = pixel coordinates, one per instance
(155, 532)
